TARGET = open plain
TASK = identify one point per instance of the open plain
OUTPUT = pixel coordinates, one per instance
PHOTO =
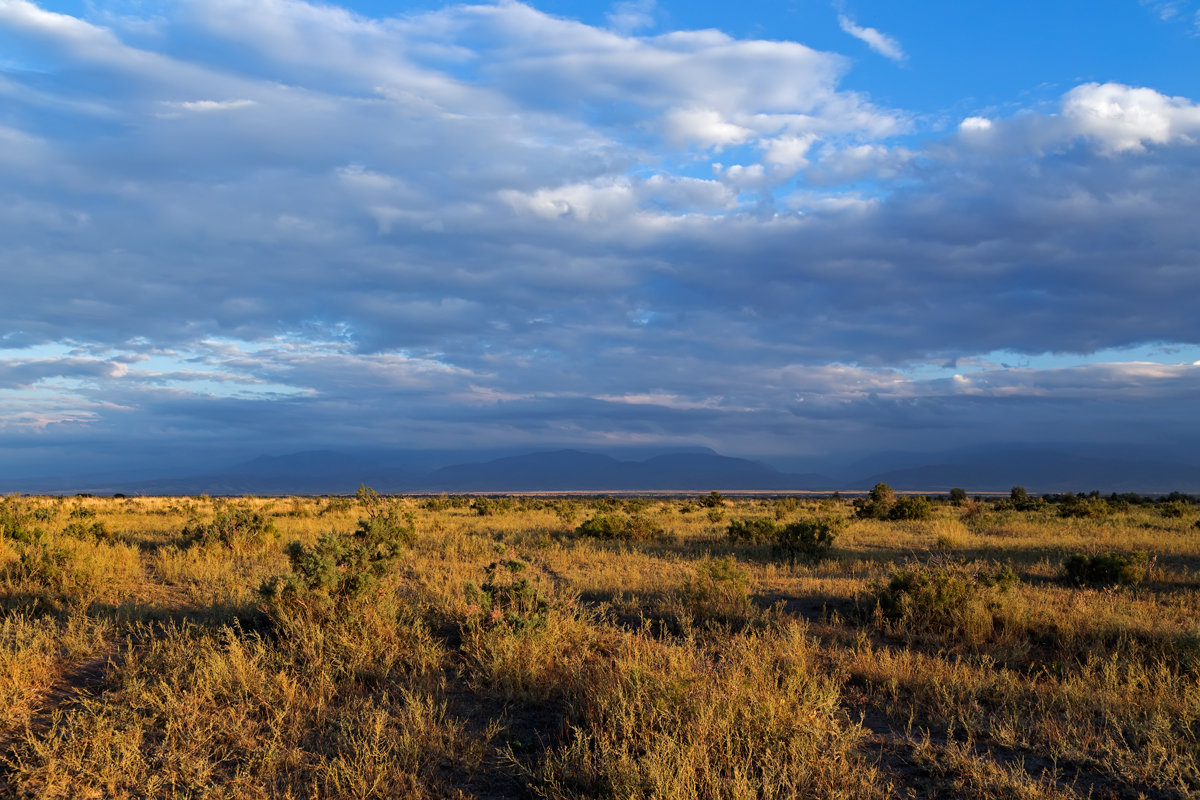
(684, 647)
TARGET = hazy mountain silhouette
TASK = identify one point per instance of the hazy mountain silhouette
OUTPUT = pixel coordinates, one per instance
(697, 469)
(573, 470)
(1042, 471)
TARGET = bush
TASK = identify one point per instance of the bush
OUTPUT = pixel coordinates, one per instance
(1172, 509)
(958, 496)
(910, 508)
(753, 531)
(1089, 507)
(97, 531)
(82, 512)
(958, 601)
(336, 505)
(339, 568)
(713, 499)
(785, 506)
(877, 504)
(16, 520)
(807, 541)
(445, 502)
(622, 528)
(507, 598)
(492, 506)
(1110, 569)
(719, 592)
(233, 526)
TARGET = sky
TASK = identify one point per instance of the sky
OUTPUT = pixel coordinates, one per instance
(797, 230)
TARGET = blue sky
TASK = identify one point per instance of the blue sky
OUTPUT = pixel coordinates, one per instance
(783, 229)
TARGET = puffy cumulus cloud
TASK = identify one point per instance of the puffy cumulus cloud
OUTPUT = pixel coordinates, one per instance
(1122, 118)
(486, 224)
(1111, 119)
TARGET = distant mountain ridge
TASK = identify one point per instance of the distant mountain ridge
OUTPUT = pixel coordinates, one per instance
(698, 469)
(573, 470)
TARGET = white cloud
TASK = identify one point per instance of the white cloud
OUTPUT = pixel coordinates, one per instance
(584, 202)
(881, 43)
(703, 127)
(788, 153)
(208, 106)
(631, 16)
(1124, 118)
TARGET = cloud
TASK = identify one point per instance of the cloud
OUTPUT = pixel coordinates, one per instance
(487, 224)
(631, 16)
(704, 127)
(1122, 118)
(881, 43)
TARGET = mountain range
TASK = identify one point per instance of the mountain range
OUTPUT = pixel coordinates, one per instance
(699, 469)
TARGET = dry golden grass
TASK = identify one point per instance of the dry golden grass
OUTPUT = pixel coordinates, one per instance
(135, 662)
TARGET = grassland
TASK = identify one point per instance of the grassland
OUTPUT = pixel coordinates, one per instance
(435, 647)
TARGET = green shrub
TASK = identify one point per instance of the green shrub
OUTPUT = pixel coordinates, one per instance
(1109, 569)
(336, 569)
(752, 531)
(785, 506)
(877, 504)
(958, 496)
(1172, 509)
(336, 505)
(16, 520)
(492, 506)
(97, 531)
(339, 568)
(1019, 500)
(233, 526)
(806, 541)
(911, 508)
(713, 499)
(957, 600)
(445, 502)
(621, 527)
(719, 592)
(507, 598)
(1083, 507)
(567, 511)
(82, 512)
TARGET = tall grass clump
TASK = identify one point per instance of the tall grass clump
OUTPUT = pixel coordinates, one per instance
(956, 602)
(754, 716)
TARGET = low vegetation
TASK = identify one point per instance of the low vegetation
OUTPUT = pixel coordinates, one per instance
(601, 647)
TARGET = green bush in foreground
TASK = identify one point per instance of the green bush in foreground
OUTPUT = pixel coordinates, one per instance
(232, 526)
(1109, 569)
(807, 541)
(507, 598)
(622, 528)
(911, 508)
(955, 600)
(338, 567)
(752, 531)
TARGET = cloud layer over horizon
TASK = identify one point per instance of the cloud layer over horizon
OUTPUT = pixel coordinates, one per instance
(275, 224)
